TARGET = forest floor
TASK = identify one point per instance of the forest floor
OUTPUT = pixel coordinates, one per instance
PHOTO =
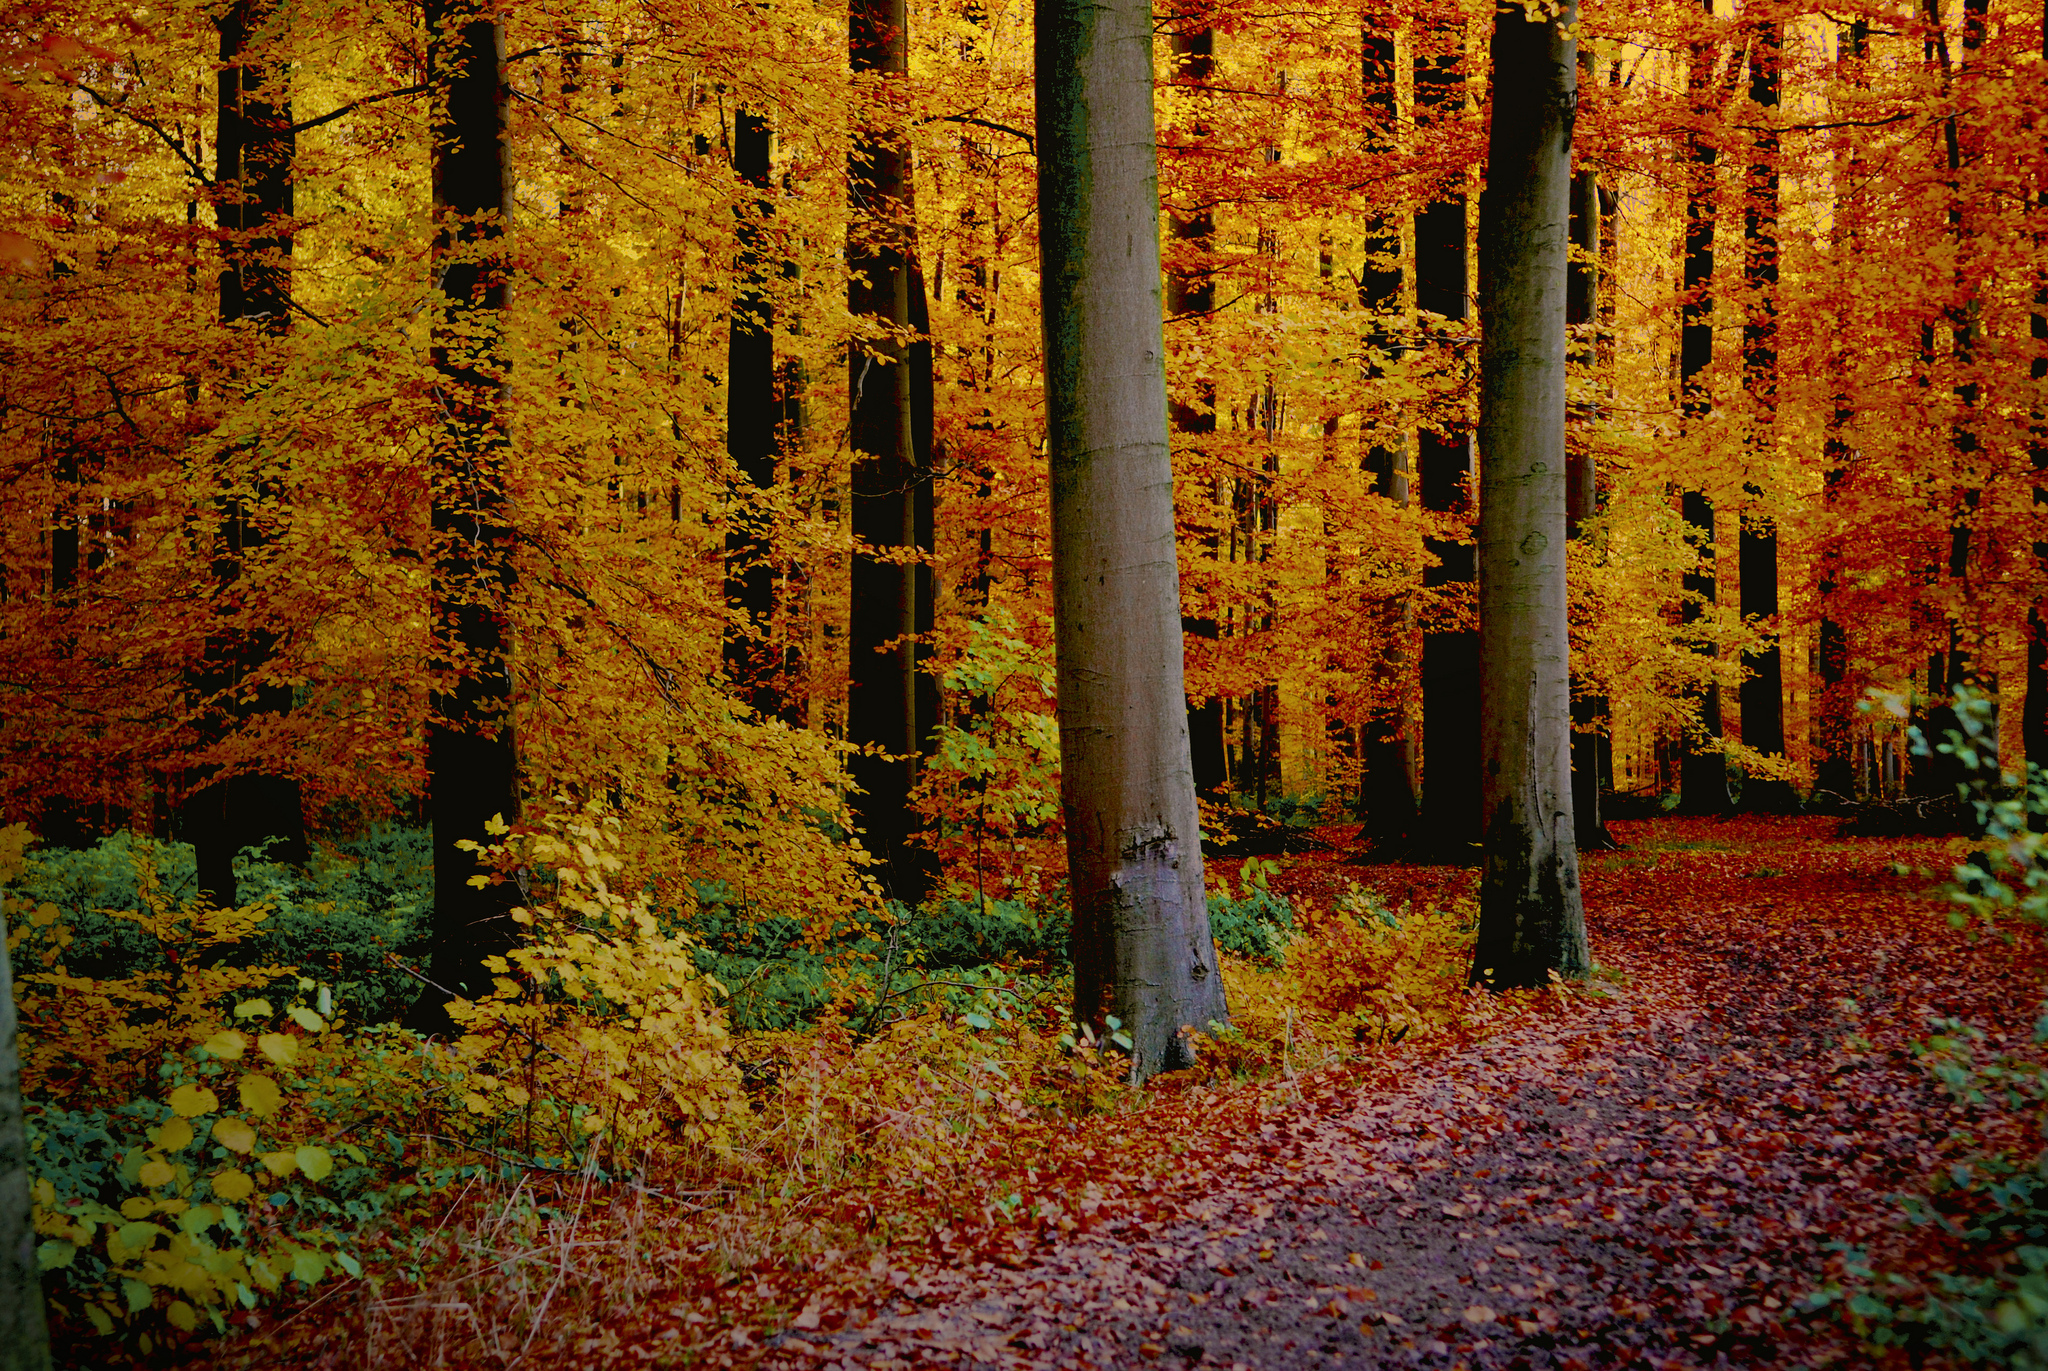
(1656, 1169)
(1648, 1174)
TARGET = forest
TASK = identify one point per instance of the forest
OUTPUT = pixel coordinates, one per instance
(950, 682)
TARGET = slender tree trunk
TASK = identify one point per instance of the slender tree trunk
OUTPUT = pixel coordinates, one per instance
(24, 1336)
(890, 390)
(1190, 298)
(1702, 772)
(1531, 922)
(1386, 743)
(1591, 753)
(254, 149)
(1836, 774)
(472, 768)
(750, 432)
(1763, 691)
(1450, 825)
(1141, 943)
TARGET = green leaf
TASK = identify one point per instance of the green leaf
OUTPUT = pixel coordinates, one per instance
(55, 1253)
(137, 1294)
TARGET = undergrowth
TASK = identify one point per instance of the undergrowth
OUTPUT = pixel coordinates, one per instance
(1977, 1286)
(225, 1124)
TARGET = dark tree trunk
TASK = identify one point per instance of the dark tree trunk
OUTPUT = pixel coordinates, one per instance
(751, 432)
(1386, 743)
(1592, 753)
(1763, 690)
(472, 767)
(1836, 774)
(890, 390)
(1190, 298)
(1449, 825)
(254, 148)
(1703, 772)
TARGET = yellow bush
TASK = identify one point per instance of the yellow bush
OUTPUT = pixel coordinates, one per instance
(602, 1027)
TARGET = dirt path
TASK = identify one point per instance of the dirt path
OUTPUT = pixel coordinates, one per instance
(1648, 1179)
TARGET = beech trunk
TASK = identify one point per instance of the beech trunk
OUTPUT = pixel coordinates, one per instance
(1142, 948)
(1531, 921)
(472, 771)
(255, 148)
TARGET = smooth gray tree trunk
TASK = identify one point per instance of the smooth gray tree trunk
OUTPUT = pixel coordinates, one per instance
(1141, 942)
(24, 1337)
(1531, 921)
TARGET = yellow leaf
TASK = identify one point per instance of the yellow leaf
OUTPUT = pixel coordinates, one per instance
(305, 1018)
(260, 1095)
(156, 1173)
(250, 1009)
(280, 1163)
(226, 1043)
(233, 1186)
(137, 1207)
(182, 1316)
(193, 1100)
(281, 1048)
(234, 1135)
(316, 1162)
(173, 1135)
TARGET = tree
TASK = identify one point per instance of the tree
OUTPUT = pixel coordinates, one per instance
(1531, 922)
(1451, 820)
(889, 386)
(254, 145)
(472, 766)
(1142, 948)
(750, 429)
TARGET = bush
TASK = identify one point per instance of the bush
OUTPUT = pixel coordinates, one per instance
(356, 902)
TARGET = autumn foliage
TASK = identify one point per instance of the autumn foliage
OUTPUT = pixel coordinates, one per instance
(219, 550)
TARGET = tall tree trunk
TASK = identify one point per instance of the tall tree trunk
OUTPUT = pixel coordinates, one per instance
(1531, 922)
(750, 432)
(890, 393)
(1450, 824)
(1702, 772)
(1591, 750)
(1386, 743)
(1836, 773)
(24, 1335)
(472, 767)
(254, 149)
(1190, 298)
(1142, 948)
(1762, 692)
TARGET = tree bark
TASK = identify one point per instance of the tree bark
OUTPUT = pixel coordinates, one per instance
(890, 388)
(750, 432)
(1702, 771)
(2034, 712)
(1386, 744)
(24, 1335)
(1190, 298)
(472, 769)
(1592, 762)
(1836, 773)
(1142, 949)
(1449, 829)
(254, 150)
(1762, 693)
(1531, 922)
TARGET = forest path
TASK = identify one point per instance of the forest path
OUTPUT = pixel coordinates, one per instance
(1645, 1179)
